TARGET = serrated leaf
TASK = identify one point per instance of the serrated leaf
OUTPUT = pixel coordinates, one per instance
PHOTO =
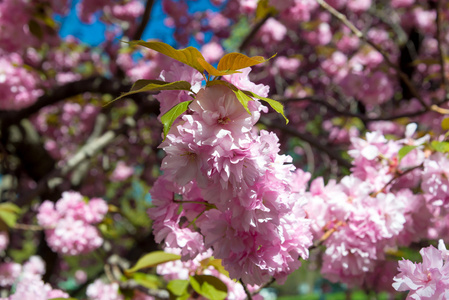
(170, 116)
(153, 259)
(211, 69)
(156, 85)
(178, 287)
(243, 98)
(276, 105)
(237, 61)
(440, 146)
(188, 56)
(209, 286)
(445, 124)
(404, 151)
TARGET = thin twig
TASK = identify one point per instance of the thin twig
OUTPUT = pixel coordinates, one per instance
(145, 18)
(440, 52)
(323, 102)
(247, 292)
(57, 94)
(28, 227)
(398, 175)
(361, 36)
(249, 37)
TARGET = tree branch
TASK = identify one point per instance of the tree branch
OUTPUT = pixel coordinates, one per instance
(440, 52)
(250, 36)
(323, 102)
(92, 84)
(361, 36)
(145, 18)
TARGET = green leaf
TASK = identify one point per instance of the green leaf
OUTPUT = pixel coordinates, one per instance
(243, 98)
(155, 85)
(216, 263)
(209, 286)
(440, 146)
(276, 105)
(8, 206)
(237, 61)
(62, 299)
(153, 259)
(178, 287)
(188, 56)
(170, 116)
(149, 281)
(404, 151)
(445, 124)
(35, 29)
(8, 215)
(263, 9)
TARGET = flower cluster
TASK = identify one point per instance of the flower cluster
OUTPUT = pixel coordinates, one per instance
(28, 281)
(69, 223)
(371, 210)
(426, 280)
(18, 86)
(233, 185)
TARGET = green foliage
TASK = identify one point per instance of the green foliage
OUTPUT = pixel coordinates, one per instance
(237, 61)
(277, 106)
(243, 98)
(8, 215)
(149, 281)
(440, 146)
(445, 124)
(152, 259)
(156, 85)
(169, 117)
(209, 286)
(188, 56)
(179, 289)
(404, 151)
(216, 263)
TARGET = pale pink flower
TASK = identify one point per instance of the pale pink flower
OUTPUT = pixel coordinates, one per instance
(242, 81)
(103, 291)
(4, 240)
(426, 280)
(9, 273)
(212, 52)
(122, 172)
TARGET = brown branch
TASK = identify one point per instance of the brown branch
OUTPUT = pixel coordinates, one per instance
(247, 292)
(399, 174)
(361, 36)
(145, 18)
(327, 149)
(250, 36)
(323, 102)
(92, 84)
(28, 227)
(440, 52)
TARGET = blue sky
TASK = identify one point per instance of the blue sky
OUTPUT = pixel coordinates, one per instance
(93, 34)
